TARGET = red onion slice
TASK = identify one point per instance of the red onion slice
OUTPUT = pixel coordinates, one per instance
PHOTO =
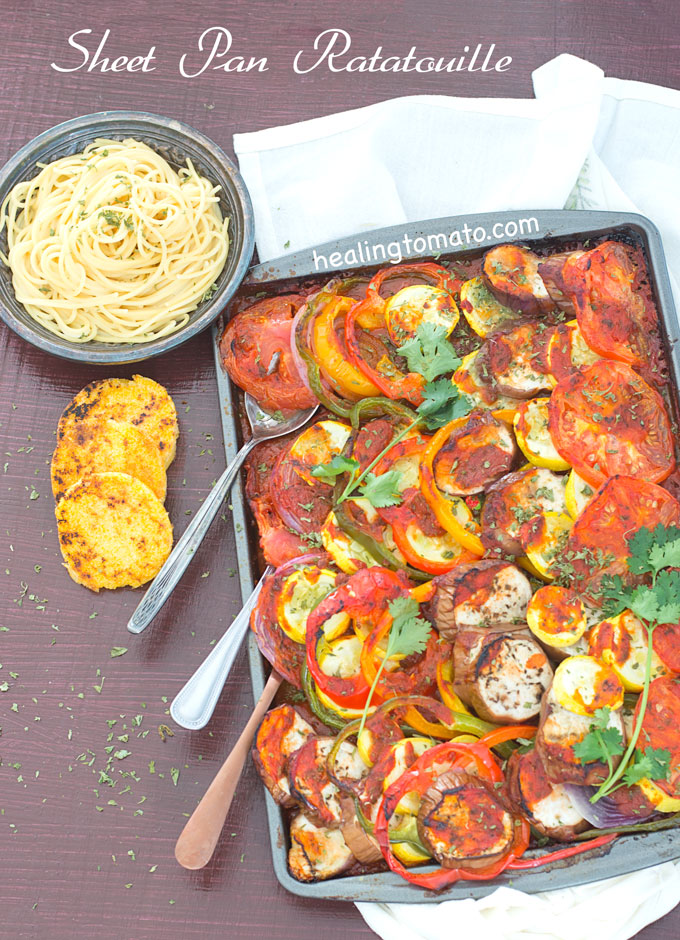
(606, 812)
(297, 358)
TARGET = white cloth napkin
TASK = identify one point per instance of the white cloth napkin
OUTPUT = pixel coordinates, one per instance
(584, 142)
(609, 910)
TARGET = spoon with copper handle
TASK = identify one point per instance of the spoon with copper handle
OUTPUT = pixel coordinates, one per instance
(198, 839)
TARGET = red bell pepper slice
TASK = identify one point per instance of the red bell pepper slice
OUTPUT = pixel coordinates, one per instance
(368, 315)
(366, 595)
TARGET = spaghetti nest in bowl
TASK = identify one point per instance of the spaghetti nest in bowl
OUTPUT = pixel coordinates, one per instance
(113, 244)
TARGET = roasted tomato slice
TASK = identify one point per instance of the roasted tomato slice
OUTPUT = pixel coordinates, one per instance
(613, 317)
(660, 726)
(598, 545)
(250, 342)
(607, 420)
(666, 643)
(277, 542)
(303, 507)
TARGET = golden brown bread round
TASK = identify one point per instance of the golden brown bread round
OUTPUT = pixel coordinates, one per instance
(139, 401)
(100, 445)
(113, 531)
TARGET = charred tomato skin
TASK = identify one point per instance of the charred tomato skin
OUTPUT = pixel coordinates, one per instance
(248, 344)
(598, 542)
(606, 420)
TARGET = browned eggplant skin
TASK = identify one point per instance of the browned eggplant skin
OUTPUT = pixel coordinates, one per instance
(526, 784)
(272, 749)
(495, 515)
(475, 582)
(551, 270)
(308, 777)
(508, 271)
(317, 853)
(444, 822)
(479, 465)
(481, 657)
(363, 846)
(557, 752)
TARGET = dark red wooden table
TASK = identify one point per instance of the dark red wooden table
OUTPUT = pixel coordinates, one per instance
(84, 852)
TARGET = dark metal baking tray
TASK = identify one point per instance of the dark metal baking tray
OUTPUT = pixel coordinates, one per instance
(553, 230)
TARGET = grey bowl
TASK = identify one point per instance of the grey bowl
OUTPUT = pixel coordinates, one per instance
(176, 142)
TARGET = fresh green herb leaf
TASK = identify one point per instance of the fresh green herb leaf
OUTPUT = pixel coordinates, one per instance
(442, 402)
(429, 352)
(654, 549)
(408, 634)
(118, 651)
(651, 550)
(327, 472)
(599, 745)
(381, 490)
(652, 763)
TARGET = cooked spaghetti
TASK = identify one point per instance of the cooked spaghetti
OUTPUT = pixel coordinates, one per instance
(113, 244)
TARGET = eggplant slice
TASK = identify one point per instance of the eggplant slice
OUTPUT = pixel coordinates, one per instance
(515, 499)
(316, 852)
(503, 676)
(462, 822)
(310, 783)
(476, 454)
(547, 805)
(282, 732)
(511, 273)
(480, 595)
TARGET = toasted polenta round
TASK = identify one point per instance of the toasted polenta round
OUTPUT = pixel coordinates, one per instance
(138, 401)
(98, 445)
(113, 531)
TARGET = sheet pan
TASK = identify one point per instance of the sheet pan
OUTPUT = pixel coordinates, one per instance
(554, 230)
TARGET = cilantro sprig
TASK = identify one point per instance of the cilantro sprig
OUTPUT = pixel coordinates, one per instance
(408, 634)
(655, 554)
(429, 352)
(442, 402)
(602, 741)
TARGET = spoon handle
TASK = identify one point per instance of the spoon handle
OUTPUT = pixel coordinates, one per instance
(178, 559)
(198, 839)
(195, 702)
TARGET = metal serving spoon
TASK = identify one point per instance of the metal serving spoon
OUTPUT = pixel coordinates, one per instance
(195, 702)
(265, 426)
